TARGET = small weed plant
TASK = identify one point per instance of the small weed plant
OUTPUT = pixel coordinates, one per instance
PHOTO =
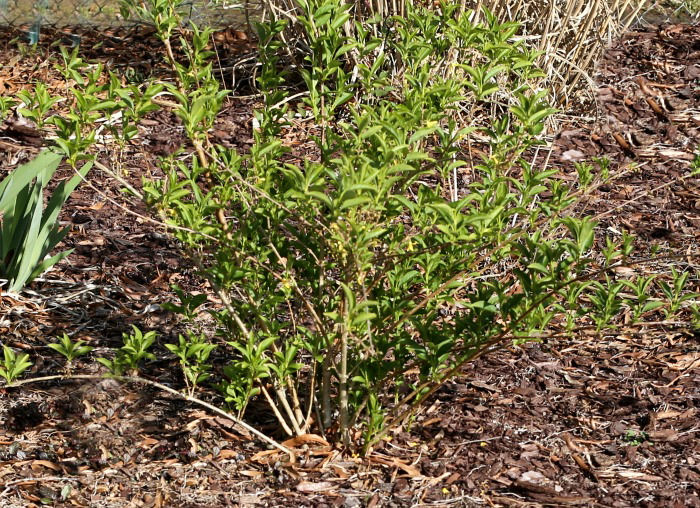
(36, 105)
(13, 365)
(134, 351)
(635, 437)
(98, 98)
(69, 349)
(193, 353)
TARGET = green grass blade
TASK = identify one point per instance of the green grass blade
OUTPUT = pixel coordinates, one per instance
(59, 197)
(44, 164)
(27, 255)
(16, 220)
(48, 263)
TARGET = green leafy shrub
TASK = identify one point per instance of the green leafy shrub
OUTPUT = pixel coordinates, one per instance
(358, 278)
(29, 232)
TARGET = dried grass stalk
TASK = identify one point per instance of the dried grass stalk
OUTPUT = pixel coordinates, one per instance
(570, 33)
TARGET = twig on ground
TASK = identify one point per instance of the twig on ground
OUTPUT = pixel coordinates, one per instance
(160, 386)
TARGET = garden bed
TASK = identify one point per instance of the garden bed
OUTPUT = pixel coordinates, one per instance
(586, 420)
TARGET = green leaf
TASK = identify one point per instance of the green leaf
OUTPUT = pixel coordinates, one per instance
(538, 267)
(652, 305)
(354, 202)
(46, 161)
(29, 231)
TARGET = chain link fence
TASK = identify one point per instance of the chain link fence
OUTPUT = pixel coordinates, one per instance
(34, 14)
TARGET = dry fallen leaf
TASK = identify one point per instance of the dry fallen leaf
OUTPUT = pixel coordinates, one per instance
(667, 435)
(38, 464)
(393, 461)
(305, 439)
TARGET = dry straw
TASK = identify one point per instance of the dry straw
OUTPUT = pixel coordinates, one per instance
(570, 33)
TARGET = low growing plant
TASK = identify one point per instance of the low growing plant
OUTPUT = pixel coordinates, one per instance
(69, 349)
(135, 350)
(37, 104)
(635, 438)
(193, 353)
(6, 103)
(29, 231)
(676, 293)
(189, 304)
(13, 365)
(99, 103)
(642, 303)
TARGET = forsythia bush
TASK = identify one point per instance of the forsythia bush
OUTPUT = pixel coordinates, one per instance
(356, 281)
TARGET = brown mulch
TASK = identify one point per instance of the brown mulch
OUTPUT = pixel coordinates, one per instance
(588, 421)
